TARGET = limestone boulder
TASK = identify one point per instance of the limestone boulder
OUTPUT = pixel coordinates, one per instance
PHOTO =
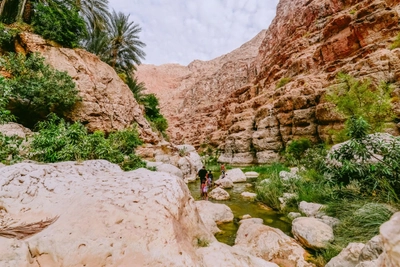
(331, 221)
(219, 254)
(219, 194)
(107, 102)
(390, 233)
(372, 249)
(213, 214)
(12, 128)
(236, 175)
(270, 244)
(312, 233)
(293, 215)
(171, 169)
(348, 257)
(102, 216)
(251, 174)
(249, 195)
(310, 209)
(247, 219)
(224, 182)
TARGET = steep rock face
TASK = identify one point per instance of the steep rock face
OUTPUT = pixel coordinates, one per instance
(307, 44)
(192, 96)
(107, 103)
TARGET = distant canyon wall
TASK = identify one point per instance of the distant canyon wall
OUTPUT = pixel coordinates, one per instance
(233, 102)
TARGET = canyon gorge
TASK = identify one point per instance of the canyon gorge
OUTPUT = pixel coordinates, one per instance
(252, 101)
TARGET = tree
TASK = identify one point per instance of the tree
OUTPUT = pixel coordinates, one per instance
(94, 12)
(137, 88)
(59, 22)
(355, 98)
(125, 46)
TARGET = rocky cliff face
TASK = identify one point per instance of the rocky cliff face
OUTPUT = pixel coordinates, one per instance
(238, 106)
(107, 103)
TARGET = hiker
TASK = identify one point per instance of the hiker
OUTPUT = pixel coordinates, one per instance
(202, 173)
(210, 177)
(204, 189)
(223, 169)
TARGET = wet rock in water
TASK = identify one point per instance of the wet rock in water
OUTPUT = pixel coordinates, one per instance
(236, 175)
(219, 194)
(246, 216)
(213, 214)
(293, 215)
(218, 254)
(249, 195)
(251, 174)
(224, 182)
(270, 244)
(251, 220)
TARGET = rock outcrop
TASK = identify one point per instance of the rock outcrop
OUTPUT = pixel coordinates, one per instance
(107, 102)
(254, 100)
(93, 214)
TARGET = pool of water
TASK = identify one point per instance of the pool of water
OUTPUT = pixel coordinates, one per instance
(240, 207)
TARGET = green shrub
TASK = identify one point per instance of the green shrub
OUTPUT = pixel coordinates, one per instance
(58, 140)
(368, 159)
(5, 114)
(396, 42)
(37, 89)
(296, 149)
(282, 82)
(153, 114)
(10, 149)
(7, 37)
(269, 191)
(60, 22)
(356, 98)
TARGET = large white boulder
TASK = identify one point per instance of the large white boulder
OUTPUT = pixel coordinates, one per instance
(310, 209)
(171, 169)
(219, 194)
(213, 214)
(222, 255)
(249, 195)
(348, 257)
(236, 175)
(12, 128)
(107, 217)
(312, 233)
(390, 233)
(224, 182)
(251, 174)
(270, 244)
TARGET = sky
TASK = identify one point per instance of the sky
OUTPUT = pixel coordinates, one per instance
(180, 31)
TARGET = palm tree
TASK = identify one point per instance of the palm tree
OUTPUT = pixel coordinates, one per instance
(98, 43)
(94, 12)
(125, 46)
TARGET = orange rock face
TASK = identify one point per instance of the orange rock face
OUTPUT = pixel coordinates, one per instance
(254, 100)
(107, 102)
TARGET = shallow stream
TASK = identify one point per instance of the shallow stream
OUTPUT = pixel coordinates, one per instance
(241, 206)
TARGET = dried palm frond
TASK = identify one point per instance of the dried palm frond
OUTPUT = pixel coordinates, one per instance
(25, 230)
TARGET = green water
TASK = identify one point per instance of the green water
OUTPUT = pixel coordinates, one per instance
(240, 207)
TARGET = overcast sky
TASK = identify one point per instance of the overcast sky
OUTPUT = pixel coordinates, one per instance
(180, 31)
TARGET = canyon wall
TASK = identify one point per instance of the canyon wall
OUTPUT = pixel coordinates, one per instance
(107, 102)
(251, 102)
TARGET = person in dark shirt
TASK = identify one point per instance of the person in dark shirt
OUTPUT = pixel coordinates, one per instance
(210, 178)
(202, 173)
